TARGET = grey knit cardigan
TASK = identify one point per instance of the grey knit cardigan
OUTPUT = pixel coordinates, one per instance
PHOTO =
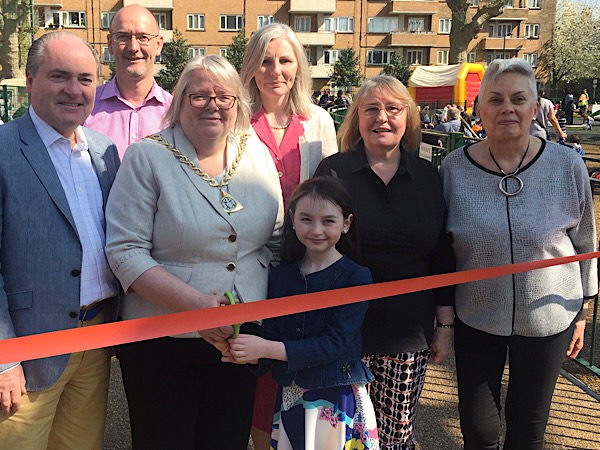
(553, 216)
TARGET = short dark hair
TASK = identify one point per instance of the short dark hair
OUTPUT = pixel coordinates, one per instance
(320, 188)
(35, 56)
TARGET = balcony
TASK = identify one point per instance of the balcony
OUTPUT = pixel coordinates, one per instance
(320, 71)
(151, 4)
(312, 6)
(513, 14)
(166, 34)
(416, 39)
(49, 3)
(498, 43)
(414, 7)
(324, 39)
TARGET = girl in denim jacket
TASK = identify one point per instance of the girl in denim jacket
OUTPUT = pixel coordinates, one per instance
(322, 402)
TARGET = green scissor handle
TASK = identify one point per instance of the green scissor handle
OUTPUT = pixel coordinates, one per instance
(236, 327)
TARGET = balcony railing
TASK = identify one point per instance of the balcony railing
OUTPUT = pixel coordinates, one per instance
(324, 39)
(151, 4)
(414, 39)
(312, 6)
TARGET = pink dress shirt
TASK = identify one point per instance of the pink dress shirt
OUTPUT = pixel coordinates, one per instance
(118, 119)
(287, 155)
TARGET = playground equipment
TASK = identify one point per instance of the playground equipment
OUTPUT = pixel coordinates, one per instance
(439, 85)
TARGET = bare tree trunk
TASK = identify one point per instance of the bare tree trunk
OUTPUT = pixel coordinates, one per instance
(13, 13)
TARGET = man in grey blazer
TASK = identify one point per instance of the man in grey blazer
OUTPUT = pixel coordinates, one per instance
(55, 177)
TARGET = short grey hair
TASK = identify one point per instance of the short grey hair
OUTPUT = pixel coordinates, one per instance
(499, 67)
(226, 75)
(453, 113)
(300, 95)
(37, 51)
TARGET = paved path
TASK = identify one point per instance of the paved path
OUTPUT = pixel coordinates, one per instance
(574, 418)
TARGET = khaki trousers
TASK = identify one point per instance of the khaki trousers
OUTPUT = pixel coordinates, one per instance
(68, 416)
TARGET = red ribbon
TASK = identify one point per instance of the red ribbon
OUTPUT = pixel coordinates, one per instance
(106, 335)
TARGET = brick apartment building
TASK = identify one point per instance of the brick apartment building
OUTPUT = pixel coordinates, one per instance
(419, 29)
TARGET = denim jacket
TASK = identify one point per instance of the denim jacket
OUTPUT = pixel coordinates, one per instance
(323, 346)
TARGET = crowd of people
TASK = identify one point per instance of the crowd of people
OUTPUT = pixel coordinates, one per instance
(234, 189)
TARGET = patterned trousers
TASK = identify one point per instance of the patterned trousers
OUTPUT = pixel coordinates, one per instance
(395, 392)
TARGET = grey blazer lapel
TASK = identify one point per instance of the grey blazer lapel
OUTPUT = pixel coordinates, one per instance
(36, 154)
(97, 153)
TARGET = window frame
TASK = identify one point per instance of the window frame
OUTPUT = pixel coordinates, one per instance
(107, 58)
(81, 17)
(161, 20)
(534, 4)
(194, 52)
(332, 55)
(109, 16)
(445, 26)
(415, 51)
(445, 57)
(386, 56)
(225, 18)
(196, 17)
(269, 20)
(536, 30)
(531, 58)
(301, 22)
(385, 22)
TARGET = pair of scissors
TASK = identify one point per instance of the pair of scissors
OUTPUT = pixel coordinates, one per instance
(236, 327)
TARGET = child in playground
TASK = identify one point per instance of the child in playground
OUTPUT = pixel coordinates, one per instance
(588, 121)
(574, 141)
(322, 402)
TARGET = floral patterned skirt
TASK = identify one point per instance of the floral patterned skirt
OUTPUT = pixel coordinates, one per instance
(336, 418)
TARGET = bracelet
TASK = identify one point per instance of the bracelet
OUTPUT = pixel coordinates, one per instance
(445, 325)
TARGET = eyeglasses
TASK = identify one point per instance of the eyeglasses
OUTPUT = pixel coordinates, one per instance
(125, 38)
(390, 110)
(222, 101)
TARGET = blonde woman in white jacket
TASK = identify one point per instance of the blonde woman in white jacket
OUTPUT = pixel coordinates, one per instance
(298, 135)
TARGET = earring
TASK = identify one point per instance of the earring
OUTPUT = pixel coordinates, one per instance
(344, 231)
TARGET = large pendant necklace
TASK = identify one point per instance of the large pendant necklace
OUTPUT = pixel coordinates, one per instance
(227, 202)
(503, 184)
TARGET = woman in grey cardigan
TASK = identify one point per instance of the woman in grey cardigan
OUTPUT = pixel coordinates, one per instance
(189, 218)
(515, 198)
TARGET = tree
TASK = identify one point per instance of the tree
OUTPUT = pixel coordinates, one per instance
(574, 51)
(14, 17)
(346, 72)
(464, 31)
(235, 53)
(176, 54)
(397, 68)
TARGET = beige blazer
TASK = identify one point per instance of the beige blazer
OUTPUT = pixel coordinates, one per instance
(160, 212)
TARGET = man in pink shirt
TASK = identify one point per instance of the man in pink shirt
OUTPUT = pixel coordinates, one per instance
(132, 105)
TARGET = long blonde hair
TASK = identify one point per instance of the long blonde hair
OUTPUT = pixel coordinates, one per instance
(300, 95)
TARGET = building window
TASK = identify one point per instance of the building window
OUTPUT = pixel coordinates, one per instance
(339, 24)
(471, 57)
(161, 20)
(106, 56)
(474, 2)
(231, 22)
(445, 25)
(442, 57)
(510, 4)
(532, 30)
(534, 4)
(107, 18)
(498, 55)
(308, 54)
(67, 19)
(158, 59)
(531, 58)
(382, 24)
(500, 30)
(195, 22)
(265, 20)
(223, 52)
(196, 51)
(414, 57)
(302, 24)
(416, 24)
(379, 57)
(330, 57)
